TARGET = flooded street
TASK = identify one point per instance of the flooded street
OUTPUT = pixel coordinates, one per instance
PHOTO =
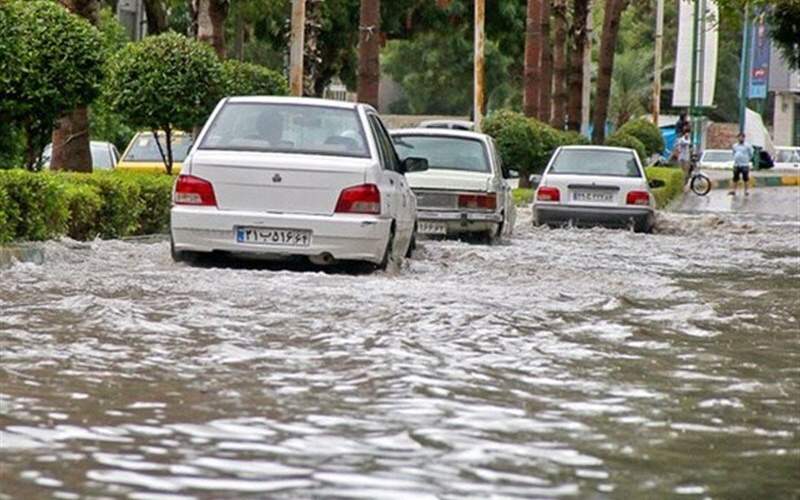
(590, 363)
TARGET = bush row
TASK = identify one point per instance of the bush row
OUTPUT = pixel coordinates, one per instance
(40, 206)
(526, 143)
(672, 178)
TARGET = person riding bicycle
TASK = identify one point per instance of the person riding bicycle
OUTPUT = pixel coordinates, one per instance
(742, 154)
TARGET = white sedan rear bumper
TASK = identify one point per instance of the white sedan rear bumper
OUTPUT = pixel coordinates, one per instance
(344, 237)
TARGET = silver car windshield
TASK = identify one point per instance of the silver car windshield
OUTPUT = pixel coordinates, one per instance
(448, 153)
(595, 162)
(145, 149)
(287, 128)
(718, 156)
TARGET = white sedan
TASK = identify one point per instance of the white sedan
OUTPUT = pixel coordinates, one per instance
(717, 159)
(594, 185)
(465, 189)
(276, 177)
(787, 158)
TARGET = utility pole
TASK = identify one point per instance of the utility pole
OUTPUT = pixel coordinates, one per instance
(369, 70)
(658, 56)
(479, 73)
(297, 47)
(586, 87)
(744, 69)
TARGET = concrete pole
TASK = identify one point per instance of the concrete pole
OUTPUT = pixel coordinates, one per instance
(587, 73)
(480, 40)
(297, 47)
(658, 57)
(744, 70)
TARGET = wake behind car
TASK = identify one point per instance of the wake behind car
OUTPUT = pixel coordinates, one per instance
(464, 190)
(280, 177)
(594, 185)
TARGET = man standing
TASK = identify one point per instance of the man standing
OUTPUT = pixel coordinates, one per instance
(742, 154)
(684, 149)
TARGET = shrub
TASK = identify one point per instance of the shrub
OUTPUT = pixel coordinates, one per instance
(35, 206)
(120, 210)
(6, 234)
(59, 69)
(165, 82)
(648, 133)
(673, 183)
(572, 138)
(84, 204)
(155, 196)
(251, 79)
(523, 143)
(622, 140)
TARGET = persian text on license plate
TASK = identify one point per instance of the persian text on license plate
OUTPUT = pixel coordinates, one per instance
(603, 197)
(432, 228)
(273, 236)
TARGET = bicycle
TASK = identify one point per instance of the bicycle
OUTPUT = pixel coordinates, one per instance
(699, 183)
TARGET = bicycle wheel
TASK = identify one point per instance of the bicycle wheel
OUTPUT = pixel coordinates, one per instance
(700, 184)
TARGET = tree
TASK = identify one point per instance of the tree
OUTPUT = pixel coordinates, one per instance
(59, 69)
(608, 43)
(211, 15)
(156, 12)
(546, 93)
(167, 82)
(369, 52)
(533, 60)
(71, 136)
(630, 85)
(575, 77)
(784, 22)
(241, 78)
(560, 64)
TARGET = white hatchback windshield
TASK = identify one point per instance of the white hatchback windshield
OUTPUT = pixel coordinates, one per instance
(287, 128)
(595, 162)
(450, 153)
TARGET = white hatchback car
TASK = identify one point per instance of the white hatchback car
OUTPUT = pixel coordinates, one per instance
(278, 177)
(594, 185)
(465, 189)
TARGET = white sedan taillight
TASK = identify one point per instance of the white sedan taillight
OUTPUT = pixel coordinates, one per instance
(190, 190)
(363, 199)
(638, 198)
(547, 193)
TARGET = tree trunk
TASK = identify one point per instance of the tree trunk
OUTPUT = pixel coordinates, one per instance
(608, 43)
(211, 16)
(533, 56)
(560, 64)
(546, 98)
(70, 138)
(156, 13)
(575, 77)
(238, 42)
(368, 52)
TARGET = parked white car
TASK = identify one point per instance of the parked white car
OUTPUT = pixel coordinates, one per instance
(276, 177)
(465, 189)
(787, 158)
(594, 185)
(104, 155)
(448, 124)
(717, 159)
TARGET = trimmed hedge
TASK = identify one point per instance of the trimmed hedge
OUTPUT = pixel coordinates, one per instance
(648, 133)
(620, 139)
(46, 205)
(672, 178)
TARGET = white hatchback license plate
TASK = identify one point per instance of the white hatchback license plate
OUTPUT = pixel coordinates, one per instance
(600, 196)
(273, 236)
(432, 228)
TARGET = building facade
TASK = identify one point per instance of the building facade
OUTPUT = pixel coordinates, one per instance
(785, 83)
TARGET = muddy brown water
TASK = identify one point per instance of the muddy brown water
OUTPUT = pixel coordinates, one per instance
(564, 363)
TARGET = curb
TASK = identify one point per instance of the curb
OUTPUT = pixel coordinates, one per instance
(22, 253)
(761, 181)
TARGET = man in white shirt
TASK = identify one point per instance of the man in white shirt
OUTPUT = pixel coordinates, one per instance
(742, 154)
(684, 148)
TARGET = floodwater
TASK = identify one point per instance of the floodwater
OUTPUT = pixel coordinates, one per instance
(564, 363)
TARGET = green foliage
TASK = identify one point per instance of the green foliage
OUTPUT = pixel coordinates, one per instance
(673, 183)
(622, 140)
(10, 57)
(251, 79)
(572, 138)
(38, 206)
(35, 205)
(165, 82)
(522, 196)
(526, 143)
(11, 145)
(647, 132)
(59, 69)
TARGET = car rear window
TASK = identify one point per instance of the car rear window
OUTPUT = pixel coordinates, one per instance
(595, 162)
(287, 128)
(450, 153)
(144, 148)
(719, 156)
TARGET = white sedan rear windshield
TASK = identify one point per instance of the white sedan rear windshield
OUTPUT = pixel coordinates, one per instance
(595, 162)
(451, 153)
(720, 156)
(287, 128)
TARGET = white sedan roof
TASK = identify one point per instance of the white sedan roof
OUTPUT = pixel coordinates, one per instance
(440, 132)
(302, 101)
(597, 148)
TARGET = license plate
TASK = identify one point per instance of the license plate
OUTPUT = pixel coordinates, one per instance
(432, 228)
(598, 196)
(273, 236)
